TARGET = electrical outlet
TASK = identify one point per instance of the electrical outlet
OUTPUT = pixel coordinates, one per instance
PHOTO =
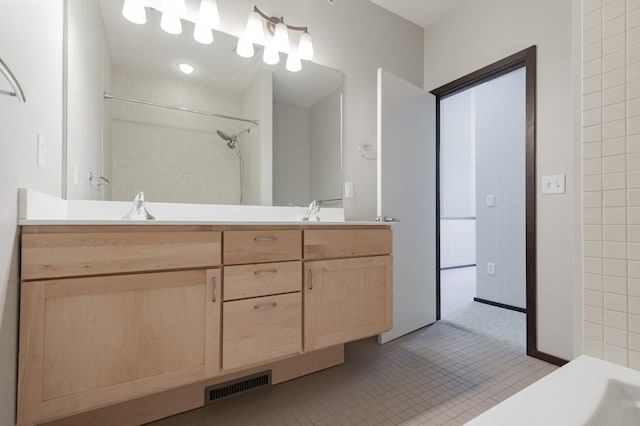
(491, 200)
(553, 184)
(348, 190)
(491, 268)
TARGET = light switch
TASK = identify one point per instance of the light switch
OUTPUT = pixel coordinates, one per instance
(41, 151)
(491, 200)
(491, 268)
(348, 190)
(553, 184)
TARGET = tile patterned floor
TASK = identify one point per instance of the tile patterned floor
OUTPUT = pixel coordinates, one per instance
(439, 375)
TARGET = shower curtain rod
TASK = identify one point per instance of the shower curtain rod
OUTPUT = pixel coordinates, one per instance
(177, 108)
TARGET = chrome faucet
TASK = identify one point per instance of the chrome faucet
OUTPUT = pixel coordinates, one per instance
(312, 212)
(139, 210)
(314, 209)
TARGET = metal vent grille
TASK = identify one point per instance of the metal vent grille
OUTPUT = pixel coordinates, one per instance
(236, 387)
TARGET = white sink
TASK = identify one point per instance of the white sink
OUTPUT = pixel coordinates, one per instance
(620, 406)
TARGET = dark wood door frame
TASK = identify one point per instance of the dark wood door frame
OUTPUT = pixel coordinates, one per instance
(527, 59)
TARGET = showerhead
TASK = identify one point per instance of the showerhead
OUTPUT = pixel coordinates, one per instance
(231, 140)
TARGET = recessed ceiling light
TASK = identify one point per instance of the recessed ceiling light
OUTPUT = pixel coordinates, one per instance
(186, 68)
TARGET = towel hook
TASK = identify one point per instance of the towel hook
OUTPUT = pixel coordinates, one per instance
(17, 89)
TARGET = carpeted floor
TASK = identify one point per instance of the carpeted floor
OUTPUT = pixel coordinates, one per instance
(457, 288)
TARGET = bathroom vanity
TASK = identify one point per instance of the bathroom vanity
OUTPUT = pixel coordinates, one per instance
(131, 322)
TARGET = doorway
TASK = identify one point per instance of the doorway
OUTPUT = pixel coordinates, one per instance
(524, 59)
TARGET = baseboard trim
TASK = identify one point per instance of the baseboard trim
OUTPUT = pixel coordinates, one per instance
(500, 305)
(551, 359)
(457, 267)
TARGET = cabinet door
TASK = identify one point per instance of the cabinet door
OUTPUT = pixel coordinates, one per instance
(346, 299)
(87, 342)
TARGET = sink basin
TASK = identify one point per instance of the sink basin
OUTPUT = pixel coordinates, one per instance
(620, 406)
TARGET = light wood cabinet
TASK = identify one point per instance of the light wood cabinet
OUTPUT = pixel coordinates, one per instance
(262, 279)
(87, 342)
(346, 300)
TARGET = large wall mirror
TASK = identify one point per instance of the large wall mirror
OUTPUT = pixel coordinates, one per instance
(132, 138)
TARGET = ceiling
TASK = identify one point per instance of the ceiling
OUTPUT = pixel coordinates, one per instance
(420, 12)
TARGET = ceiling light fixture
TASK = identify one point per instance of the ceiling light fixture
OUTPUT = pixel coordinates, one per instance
(277, 40)
(186, 68)
(134, 11)
(208, 18)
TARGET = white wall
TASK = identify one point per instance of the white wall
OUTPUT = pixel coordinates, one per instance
(457, 242)
(31, 44)
(479, 33)
(611, 180)
(500, 171)
(291, 154)
(325, 134)
(87, 44)
(381, 40)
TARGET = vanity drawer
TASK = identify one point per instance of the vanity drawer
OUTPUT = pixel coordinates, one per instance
(244, 281)
(76, 254)
(261, 246)
(261, 329)
(323, 244)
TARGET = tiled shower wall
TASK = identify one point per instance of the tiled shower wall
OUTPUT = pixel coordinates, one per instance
(611, 179)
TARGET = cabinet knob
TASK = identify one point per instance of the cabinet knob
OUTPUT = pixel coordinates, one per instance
(265, 239)
(310, 279)
(214, 288)
(266, 306)
(266, 272)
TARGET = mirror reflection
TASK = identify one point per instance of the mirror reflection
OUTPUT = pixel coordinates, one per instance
(193, 123)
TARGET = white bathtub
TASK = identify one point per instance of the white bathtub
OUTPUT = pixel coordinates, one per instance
(586, 392)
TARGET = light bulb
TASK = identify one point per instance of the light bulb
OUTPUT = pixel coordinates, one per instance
(271, 55)
(281, 37)
(170, 21)
(186, 68)
(245, 48)
(305, 46)
(293, 62)
(254, 31)
(208, 17)
(134, 11)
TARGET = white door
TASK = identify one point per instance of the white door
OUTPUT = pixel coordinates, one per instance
(407, 193)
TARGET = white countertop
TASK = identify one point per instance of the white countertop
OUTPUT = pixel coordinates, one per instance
(90, 222)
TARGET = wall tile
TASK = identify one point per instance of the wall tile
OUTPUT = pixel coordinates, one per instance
(615, 354)
(634, 269)
(612, 79)
(614, 129)
(610, 28)
(613, 44)
(592, 19)
(614, 112)
(613, 267)
(634, 341)
(593, 282)
(614, 336)
(592, 199)
(633, 143)
(633, 179)
(634, 288)
(591, 84)
(594, 298)
(614, 250)
(633, 107)
(593, 35)
(634, 323)
(610, 62)
(616, 285)
(614, 164)
(616, 198)
(633, 19)
(633, 90)
(593, 348)
(633, 72)
(634, 305)
(593, 314)
(594, 100)
(612, 181)
(592, 134)
(613, 10)
(633, 161)
(634, 251)
(615, 319)
(592, 232)
(593, 265)
(592, 150)
(593, 248)
(613, 95)
(633, 125)
(631, 4)
(592, 117)
(615, 233)
(593, 331)
(592, 216)
(633, 36)
(633, 52)
(615, 147)
(634, 360)
(614, 215)
(633, 215)
(615, 302)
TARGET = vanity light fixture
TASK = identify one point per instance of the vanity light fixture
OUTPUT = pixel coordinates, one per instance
(171, 12)
(276, 40)
(134, 11)
(208, 18)
(186, 68)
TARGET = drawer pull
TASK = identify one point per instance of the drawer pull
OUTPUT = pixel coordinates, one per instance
(260, 239)
(214, 288)
(266, 272)
(266, 306)
(310, 279)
